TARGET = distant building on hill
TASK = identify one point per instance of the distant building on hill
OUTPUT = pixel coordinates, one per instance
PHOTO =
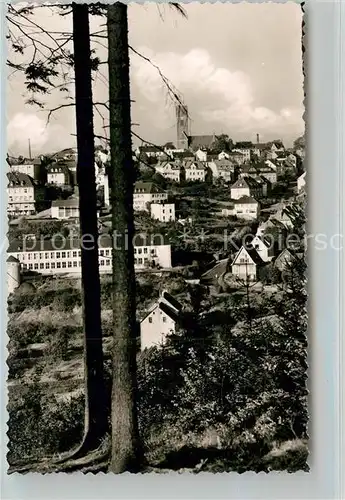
(23, 194)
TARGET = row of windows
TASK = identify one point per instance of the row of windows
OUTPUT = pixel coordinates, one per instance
(58, 255)
(61, 265)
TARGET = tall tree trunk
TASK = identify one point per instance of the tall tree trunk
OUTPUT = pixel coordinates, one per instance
(125, 454)
(95, 396)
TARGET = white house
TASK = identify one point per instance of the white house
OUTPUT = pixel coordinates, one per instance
(164, 212)
(23, 193)
(201, 154)
(247, 208)
(61, 255)
(159, 321)
(246, 263)
(222, 169)
(145, 193)
(301, 182)
(264, 247)
(169, 170)
(268, 173)
(245, 186)
(65, 209)
(246, 152)
(195, 171)
(32, 168)
(58, 174)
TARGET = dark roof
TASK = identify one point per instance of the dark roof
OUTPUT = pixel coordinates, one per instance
(19, 179)
(175, 303)
(198, 164)
(216, 271)
(244, 144)
(243, 182)
(200, 141)
(60, 243)
(170, 312)
(245, 200)
(70, 202)
(252, 253)
(150, 149)
(147, 187)
(12, 259)
(183, 154)
(59, 167)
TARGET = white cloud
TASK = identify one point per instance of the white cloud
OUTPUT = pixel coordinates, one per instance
(25, 126)
(225, 98)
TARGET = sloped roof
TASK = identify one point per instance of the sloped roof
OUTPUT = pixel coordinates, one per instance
(245, 182)
(217, 270)
(245, 200)
(175, 303)
(147, 187)
(199, 141)
(19, 179)
(163, 307)
(197, 163)
(12, 259)
(253, 254)
(69, 202)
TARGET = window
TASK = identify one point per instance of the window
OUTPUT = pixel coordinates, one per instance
(150, 319)
(58, 255)
(152, 250)
(107, 252)
(140, 250)
(145, 250)
(101, 253)
(36, 266)
(69, 264)
(46, 255)
(108, 262)
(75, 263)
(146, 260)
(52, 255)
(135, 250)
(58, 265)
(135, 261)
(53, 265)
(29, 256)
(68, 255)
(30, 266)
(63, 255)
(41, 265)
(79, 253)
(47, 265)
(140, 261)
(64, 264)
(164, 319)
(35, 256)
(102, 262)
(75, 254)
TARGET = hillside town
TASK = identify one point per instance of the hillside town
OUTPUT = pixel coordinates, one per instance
(190, 199)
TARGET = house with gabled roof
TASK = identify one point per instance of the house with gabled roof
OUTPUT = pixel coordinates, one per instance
(284, 260)
(169, 170)
(195, 171)
(245, 186)
(246, 264)
(264, 247)
(159, 321)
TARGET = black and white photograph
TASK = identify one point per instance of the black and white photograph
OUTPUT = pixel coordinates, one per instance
(156, 256)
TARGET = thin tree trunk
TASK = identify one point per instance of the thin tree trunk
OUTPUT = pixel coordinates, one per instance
(125, 455)
(95, 396)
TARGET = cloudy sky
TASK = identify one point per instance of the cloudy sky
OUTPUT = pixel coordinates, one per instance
(237, 66)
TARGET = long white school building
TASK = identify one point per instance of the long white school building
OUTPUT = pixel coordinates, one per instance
(63, 255)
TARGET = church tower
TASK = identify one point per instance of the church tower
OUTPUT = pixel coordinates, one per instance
(182, 126)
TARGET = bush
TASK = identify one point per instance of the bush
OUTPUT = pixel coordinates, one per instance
(38, 425)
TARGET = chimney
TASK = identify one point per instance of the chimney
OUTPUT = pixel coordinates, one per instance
(257, 138)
